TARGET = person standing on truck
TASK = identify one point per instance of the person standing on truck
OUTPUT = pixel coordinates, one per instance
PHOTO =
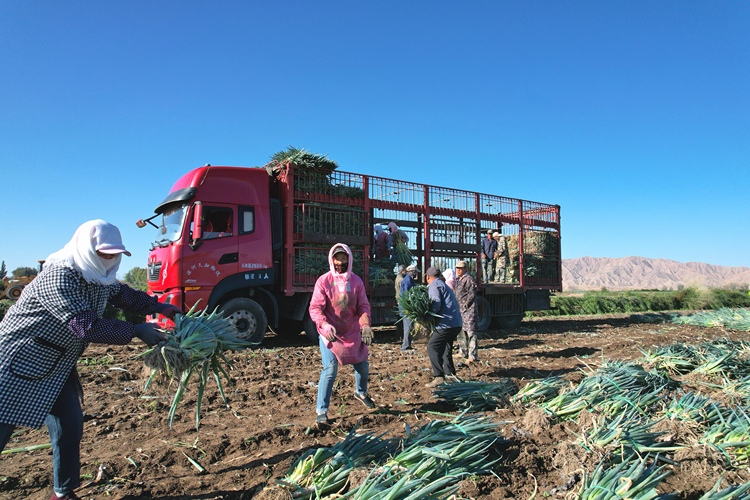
(502, 259)
(47, 330)
(443, 303)
(381, 249)
(401, 272)
(410, 279)
(466, 294)
(394, 237)
(489, 246)
(450, 279)
(340, 310)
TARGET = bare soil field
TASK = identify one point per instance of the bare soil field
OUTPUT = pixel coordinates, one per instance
(129, 451)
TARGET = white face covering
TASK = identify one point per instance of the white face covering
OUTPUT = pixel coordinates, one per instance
(80, 251)
(110, 263)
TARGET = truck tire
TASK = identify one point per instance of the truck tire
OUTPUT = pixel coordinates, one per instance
(484, 314)
(511, 322)
(248, 318)
(13, 292)
(311, 331)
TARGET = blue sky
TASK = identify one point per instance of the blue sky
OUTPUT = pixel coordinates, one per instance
(634, 116)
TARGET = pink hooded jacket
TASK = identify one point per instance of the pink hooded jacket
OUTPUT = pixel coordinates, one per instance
(340, 300)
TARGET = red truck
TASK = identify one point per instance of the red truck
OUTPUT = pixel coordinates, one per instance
(252, 242)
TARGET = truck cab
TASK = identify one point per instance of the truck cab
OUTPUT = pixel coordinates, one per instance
(213, 246)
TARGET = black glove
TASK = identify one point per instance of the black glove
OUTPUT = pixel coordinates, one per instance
(168, 310)
(367, 335)
(148, 334)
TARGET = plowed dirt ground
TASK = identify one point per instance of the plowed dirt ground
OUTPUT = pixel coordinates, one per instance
(129, 451)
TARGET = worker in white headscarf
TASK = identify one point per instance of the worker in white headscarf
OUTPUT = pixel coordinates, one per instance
(45, 332)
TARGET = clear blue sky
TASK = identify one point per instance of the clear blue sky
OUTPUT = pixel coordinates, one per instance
(634, 116)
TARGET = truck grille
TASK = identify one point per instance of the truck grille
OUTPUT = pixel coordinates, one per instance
(154, 270)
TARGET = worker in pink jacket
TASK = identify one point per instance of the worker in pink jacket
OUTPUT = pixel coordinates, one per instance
(341, 312)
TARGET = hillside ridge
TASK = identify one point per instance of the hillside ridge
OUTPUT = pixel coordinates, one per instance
(594, 273)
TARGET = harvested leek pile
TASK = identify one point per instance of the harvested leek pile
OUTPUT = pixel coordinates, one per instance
(197, 344)
(540, 390)
(415, 305)
(313, 173)
(633, 478)
(429, 463)
(310, 259)
(642, 419)
(721, 357)
(325, 471)
(381, 272)
(474, 395)
(540, 249)
(301, 159)
(612, 388)
(726, 317)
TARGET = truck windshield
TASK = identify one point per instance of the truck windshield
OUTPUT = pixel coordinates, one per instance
(171, 225)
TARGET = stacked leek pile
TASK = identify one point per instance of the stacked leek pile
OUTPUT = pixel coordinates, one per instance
(633, 478)
(381, 272)
(312, 173)
(429, 463)
(540, 250)
(197, 344)
(311, 260)
(415, 305)
(726, 317)
(301, 159)
(475, 395)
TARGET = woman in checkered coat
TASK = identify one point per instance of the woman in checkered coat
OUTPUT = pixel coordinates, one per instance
(45, 332)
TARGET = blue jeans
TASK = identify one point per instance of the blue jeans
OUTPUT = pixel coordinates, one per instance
(488, 269)
(408, 327)
(328, 375)
(65, 426)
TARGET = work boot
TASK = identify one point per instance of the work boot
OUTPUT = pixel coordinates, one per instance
(435, 382)
(322, 419)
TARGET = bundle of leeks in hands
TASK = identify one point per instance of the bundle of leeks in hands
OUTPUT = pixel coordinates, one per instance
(197, 344)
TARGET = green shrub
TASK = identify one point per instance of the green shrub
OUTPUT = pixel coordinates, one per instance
(721, 297)
(638, 301)
(4, 306)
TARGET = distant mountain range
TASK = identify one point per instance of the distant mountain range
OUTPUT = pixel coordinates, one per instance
(594, 273)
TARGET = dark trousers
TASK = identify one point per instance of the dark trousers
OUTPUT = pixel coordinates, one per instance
(440, 351)
(65, 426)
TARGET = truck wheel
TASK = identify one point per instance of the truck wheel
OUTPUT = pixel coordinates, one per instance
(484, 314)
(311, 331)
(13, 292)
(511, 322)
(248, 318)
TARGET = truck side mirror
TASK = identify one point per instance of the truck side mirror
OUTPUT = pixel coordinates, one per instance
(197, 226)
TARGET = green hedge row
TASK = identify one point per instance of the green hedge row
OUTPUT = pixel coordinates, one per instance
(606, 302)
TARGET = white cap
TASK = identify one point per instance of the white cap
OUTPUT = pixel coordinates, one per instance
(107, 239)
